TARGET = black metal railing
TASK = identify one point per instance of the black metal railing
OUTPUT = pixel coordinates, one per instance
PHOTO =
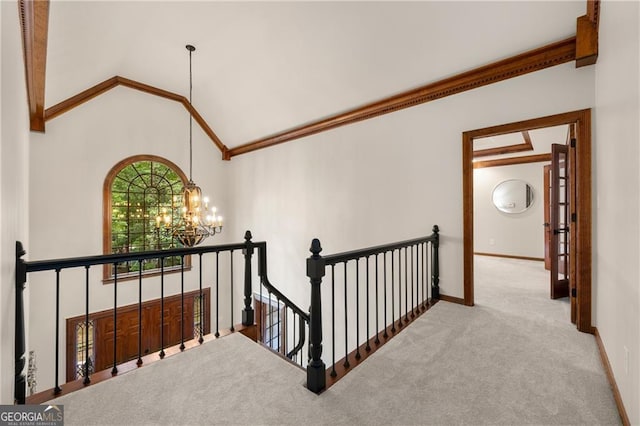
(204, 253)
(282, 325)
(393, 281)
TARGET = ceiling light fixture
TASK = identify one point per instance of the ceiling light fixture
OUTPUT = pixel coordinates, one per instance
(197, 221)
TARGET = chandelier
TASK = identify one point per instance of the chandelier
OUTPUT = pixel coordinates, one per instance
(197, 220)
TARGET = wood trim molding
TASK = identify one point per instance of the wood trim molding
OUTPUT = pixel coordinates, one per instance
(452, 299)
(538, 158)
(612, 380)
(100, 88)
(507, 149)
(34, 22)
(524, 63)
(583, 233)
(510, 256)
(587, 28)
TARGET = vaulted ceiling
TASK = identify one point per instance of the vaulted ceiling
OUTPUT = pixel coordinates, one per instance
(265, 67)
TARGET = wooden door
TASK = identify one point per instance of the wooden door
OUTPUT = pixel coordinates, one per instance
(559, 220)
(126, 332)
(547, 216)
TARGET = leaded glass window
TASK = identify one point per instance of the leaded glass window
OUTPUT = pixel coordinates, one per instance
(84, 338)
(143, 192)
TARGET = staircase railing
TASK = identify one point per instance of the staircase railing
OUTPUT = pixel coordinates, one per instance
(207, 255)
(382, 276)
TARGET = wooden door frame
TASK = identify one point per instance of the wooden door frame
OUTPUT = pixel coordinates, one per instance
(580, 229)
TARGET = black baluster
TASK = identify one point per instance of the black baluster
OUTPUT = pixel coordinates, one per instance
(182, 319)
(425, 296)
(162, 354)
(139, 362)
(400, 288)
(114, 370)
(232, 328)
(57, 389)
(406, 289)
(377, 340)
(346, 321)
(384, 270)
(368, 347)
(201, 338)
(333, 322)
(358, 356)
(279, 326)
(414, 302)
(316, 376)
(217, 334)
(86, 328)
(247, 313)
(435, 267)
(293, 317)
(393, 280)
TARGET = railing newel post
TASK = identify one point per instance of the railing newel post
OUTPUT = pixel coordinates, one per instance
(247, 313)
(435, 268)
(20, 389)
(316, 369)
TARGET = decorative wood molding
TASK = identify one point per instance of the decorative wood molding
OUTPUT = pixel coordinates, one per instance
(612, 380)
(507, 149)
(524, 63)
(510, 256)
(452, 299)
(34, 21)
(98, 89)
(538, 158)
(587, 28)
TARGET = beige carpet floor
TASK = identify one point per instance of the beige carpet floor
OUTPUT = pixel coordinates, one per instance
(513, 359)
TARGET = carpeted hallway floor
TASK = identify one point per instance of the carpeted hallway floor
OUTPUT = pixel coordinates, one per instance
(513, 359)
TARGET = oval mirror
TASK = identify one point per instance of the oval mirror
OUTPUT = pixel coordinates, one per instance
(512, 196)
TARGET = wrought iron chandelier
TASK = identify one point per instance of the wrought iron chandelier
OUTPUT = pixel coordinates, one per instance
(197, 220)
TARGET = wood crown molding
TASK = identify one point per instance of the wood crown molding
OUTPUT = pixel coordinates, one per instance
(587, 35)
(582, 48)
(538, 158)
(34, 22)
(100, 88)
(527, 145)
(524, 63)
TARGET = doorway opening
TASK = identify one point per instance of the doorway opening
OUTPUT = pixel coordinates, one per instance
(572, 220)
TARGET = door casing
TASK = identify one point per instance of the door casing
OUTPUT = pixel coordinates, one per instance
(580, 229)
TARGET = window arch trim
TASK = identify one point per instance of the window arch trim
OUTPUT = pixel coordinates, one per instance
(107, 207)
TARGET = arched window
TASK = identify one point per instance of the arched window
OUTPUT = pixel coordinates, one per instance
(137, 191)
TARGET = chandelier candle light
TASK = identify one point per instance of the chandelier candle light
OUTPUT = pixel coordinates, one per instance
(197, 221)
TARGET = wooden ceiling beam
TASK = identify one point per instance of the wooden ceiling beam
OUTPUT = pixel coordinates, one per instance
(34, 22)
(98, 89)
(524, 63)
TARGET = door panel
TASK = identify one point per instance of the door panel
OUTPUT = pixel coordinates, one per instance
(559, 215)
(547, 216)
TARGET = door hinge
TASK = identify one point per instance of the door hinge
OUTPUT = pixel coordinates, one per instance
(574, 217)
(574, 292)
(573, 142)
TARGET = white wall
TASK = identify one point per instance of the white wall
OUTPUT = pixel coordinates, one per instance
(69, 164)
(386, 179)
(515, 234)
(13, 184)
(617, 198)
